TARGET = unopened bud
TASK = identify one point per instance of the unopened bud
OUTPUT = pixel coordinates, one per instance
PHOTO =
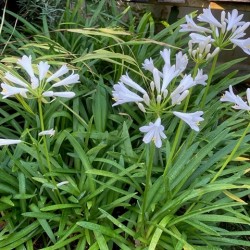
(165, 93)
(201, 47)
(215, 52)
(146, 99)
(223, 28)
(222, 17)
(208, 47)
(141, 107)
(152, 86)
(158, 99)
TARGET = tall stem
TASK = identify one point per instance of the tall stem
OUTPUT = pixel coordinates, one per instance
(46, 152)
(230, 157)
(148, 182)
(210, 76)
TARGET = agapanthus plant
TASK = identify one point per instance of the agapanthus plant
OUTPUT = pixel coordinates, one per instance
(158, 100)
(40, 84)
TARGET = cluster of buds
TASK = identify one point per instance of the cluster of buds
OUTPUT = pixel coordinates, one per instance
(200, 48)
(159, 99)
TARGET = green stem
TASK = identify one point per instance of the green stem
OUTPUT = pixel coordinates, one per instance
(46, 152)
(210, 76)
(230, 157)
(148, 183)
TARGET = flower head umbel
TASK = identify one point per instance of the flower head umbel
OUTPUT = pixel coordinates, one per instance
(223, 33)
(154, 132)
(229, 96)
(157, 99)
(38, 84)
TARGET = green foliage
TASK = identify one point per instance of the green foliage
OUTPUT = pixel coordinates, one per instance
(94, 184)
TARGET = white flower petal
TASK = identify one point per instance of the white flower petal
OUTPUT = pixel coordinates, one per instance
(15, 80)
(248, 96)
(8, 90)
(166, 53)
(186, 83)
(208, 17)
(63, 70)
(192, 119)
(34, 82)
(244, 44)
(198, 38)
(154, 132)
(4, 142)
(200, 78)
(168, 75)
(191, 26)
(26, 64)
(49, 132)
(48, 94)
(148, 64)
(178, 98)
(122, 95)
(157, 80)
(181, 62)
(43, 68)
(233, 19)
(73, 78)
(229, 96)
(128, 81)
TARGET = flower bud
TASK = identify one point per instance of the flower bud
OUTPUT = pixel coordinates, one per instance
(146, 99)
(141, 107)
(158, 99)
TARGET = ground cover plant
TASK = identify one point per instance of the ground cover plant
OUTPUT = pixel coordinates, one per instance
(114, 136)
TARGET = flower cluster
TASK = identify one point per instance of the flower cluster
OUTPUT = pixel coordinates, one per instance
(230, 29)
(38, 85)
(156, 100)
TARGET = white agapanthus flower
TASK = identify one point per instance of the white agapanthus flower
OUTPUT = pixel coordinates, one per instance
(192, 119)
(4, 142)
(229, 96)
(8, 90)
(208, 17)
(156, 99)
(153, 132)
(191, 26)
(49, 132)
(244, 44)
(37, 86)
(224, 32)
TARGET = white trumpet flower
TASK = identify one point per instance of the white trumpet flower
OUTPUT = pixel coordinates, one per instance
(229, 96)
(154, 132)
(192, 119)
(8, 90)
